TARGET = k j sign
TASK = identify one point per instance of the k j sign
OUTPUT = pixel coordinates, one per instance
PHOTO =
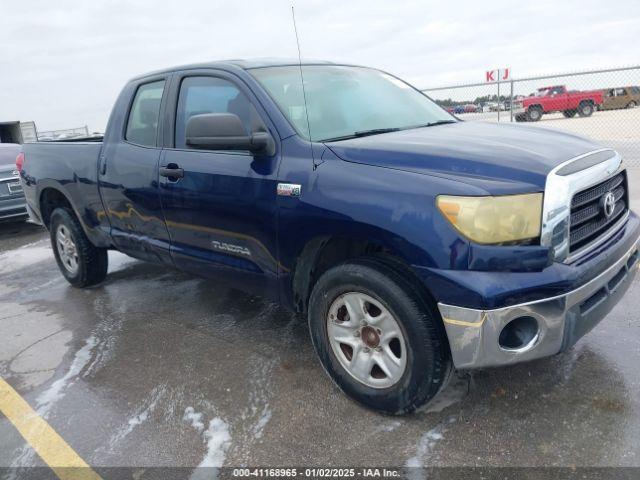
(498, 75)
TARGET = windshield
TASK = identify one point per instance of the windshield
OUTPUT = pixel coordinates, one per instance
(347, 101)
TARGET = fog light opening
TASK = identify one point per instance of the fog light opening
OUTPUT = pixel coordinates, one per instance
(519, 334)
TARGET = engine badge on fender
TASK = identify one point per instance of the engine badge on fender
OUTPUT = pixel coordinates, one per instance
(289, 189)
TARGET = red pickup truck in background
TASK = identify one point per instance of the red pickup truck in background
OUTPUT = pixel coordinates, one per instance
(556, 99)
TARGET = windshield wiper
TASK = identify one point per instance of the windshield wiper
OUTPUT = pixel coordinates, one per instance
(363, 133)
(376, 131)
(433, 124)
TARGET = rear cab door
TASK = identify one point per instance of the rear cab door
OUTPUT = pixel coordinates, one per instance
(221, 213)
(128, 171)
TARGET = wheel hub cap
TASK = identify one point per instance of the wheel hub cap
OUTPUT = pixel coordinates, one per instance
(370, 337)
(367, 340)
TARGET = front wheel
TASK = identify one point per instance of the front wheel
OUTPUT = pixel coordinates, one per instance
(377, 336)
(80, 262)
(631, 104)
(534, 114)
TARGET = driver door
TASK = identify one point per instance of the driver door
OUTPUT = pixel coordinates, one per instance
(221, 212)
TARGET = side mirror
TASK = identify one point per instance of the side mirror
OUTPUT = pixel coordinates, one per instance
(225, 131)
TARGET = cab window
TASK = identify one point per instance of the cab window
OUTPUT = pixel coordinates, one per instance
(142, 126)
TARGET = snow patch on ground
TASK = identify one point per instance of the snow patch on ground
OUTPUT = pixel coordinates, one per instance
(195, 419)
(427, 443)
(262, 422)
(389, 427)
(217, 439)
(53, 394)
(113, 315)
(425, 446)
(19, 258)
(119, 261)
(259, 410)
(139, 418)
(57, 389)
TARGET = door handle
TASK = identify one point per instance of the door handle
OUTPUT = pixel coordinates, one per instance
(172, 171)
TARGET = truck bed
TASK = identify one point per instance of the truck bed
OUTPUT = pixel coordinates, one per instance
(70, 166)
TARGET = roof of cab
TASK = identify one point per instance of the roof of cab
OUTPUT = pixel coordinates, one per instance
(245, 64)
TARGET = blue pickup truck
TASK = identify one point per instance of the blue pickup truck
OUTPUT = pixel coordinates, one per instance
(413, 242)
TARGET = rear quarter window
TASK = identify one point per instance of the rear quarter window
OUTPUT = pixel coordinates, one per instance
(142, 126)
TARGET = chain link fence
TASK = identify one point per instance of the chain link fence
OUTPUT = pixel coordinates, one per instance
(600, 104)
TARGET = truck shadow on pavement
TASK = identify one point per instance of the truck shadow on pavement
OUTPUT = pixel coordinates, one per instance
(142, 355)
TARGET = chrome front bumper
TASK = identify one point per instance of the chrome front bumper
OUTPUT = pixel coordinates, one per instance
(561, 321)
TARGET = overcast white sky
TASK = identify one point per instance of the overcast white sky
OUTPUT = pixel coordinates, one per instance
(62, 63)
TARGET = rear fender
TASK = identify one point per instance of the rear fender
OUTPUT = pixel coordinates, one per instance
(90, 218)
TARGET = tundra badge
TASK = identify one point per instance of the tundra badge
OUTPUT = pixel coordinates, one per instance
(230, 248)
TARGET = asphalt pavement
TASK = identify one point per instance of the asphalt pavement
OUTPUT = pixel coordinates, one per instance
(158, 368)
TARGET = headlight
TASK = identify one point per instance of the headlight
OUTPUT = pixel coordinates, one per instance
(502, 219)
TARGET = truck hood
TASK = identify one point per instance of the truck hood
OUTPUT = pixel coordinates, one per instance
(500, 159)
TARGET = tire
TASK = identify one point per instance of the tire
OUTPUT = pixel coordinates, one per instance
(420, 346)
(534, 114)
(585, 109)
(569, 113)
(631, 104)
(80, 262)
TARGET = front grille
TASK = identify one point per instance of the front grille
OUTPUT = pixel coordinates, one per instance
(588, 219)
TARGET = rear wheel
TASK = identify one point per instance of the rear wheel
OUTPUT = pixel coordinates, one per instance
(569, 113)
(377, 337)
(585, 109)
(534, 114)
(631, 104)
(80, 262)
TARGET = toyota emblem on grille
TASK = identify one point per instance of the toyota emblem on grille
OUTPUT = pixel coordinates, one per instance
(608, 204)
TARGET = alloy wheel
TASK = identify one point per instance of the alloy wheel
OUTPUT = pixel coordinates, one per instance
(67, 249)
(367, 340)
